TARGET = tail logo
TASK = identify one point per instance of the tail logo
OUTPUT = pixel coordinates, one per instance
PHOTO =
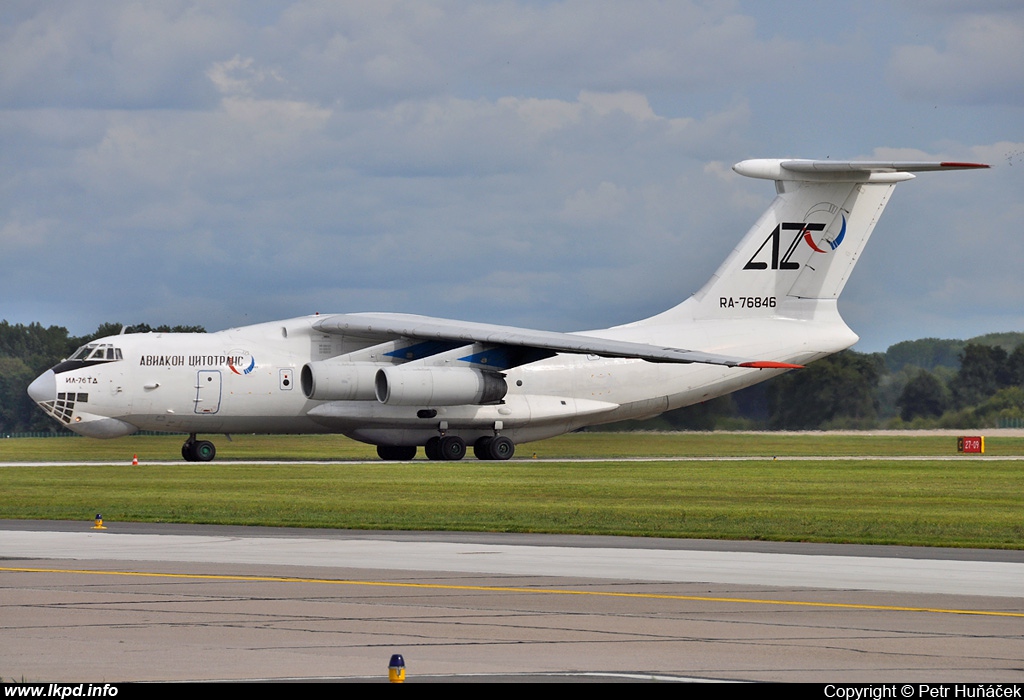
(833, 244)
(779, 260)
(774, 257)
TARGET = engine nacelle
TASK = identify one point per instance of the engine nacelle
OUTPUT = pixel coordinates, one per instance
(329, 380)
(438, 386)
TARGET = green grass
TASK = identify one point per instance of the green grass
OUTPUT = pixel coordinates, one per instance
(960, 502)
(577, 445)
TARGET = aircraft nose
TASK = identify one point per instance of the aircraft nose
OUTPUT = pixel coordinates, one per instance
(43, 387)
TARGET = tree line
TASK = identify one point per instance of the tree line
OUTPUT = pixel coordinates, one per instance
(920, 384)
(928, 383)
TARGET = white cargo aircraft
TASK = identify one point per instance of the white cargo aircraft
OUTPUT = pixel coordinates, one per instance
(400, 381)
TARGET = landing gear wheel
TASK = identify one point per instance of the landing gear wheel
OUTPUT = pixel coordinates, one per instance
(433, 448)
(198, 450)
(396, 453)
(482, 448)
(501, 448)
(453, 448)
(203, 451)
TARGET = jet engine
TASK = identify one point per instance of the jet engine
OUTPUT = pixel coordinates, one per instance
(438, 386)
(329, 380)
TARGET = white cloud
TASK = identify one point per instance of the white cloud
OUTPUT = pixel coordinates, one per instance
(239, 76)
(73, 55)
(607, 201)
(36, 235)
(980, 58)
(631, 103)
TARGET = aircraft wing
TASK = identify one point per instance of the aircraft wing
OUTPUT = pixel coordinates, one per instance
(389, 326)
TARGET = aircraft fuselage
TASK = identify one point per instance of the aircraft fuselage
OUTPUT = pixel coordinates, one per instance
(247, 380)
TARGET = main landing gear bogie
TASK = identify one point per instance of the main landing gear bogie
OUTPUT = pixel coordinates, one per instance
(198, 450)
(498, 447)
(449, 448)
(453, 448)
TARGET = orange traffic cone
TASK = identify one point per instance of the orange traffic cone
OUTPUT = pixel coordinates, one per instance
(135, 460)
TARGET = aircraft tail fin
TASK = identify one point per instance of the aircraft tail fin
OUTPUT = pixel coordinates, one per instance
(806, 244)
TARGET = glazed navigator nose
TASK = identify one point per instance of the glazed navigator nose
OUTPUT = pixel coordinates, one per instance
(44, 387)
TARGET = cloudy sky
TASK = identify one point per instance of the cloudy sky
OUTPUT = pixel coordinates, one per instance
(561, 165)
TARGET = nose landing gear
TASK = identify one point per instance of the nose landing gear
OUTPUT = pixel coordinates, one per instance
(198, 450)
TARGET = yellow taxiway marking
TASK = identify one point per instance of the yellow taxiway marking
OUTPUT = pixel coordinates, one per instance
(512, 589)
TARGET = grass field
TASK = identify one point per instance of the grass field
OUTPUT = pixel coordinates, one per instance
(576, 445)
(959, 502)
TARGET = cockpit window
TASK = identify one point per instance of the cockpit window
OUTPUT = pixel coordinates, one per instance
(89, 355)
(97, 352)
(82, 352)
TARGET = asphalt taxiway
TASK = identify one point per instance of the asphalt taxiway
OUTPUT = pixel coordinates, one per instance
(178, 602)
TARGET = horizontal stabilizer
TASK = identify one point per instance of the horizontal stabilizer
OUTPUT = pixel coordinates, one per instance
(843, 170)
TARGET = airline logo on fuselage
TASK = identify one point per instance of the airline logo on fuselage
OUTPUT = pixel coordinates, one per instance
(790, 234)
(240, 363)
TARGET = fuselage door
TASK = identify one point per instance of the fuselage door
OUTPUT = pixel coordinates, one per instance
(208, 389)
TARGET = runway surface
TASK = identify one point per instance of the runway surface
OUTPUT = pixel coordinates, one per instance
(176, 602)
